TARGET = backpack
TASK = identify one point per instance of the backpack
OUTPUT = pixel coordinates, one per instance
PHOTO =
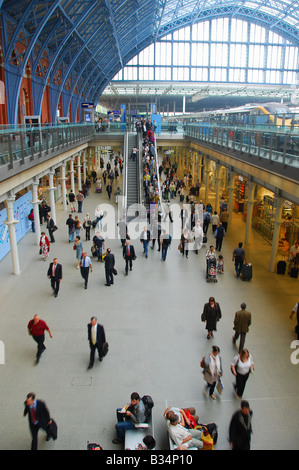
(148, 404)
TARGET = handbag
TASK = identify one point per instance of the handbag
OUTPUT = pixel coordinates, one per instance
(55, 228)
(114, 272)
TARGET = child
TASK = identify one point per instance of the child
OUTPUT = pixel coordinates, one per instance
(220, 264)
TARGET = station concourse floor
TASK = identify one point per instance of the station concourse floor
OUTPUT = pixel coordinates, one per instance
(152, 320)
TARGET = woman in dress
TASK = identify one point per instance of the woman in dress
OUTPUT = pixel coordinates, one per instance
(241, 367)
(79, 250)
(44, 246)
(211, 315)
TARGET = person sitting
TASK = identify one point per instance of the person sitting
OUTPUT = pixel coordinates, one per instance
(128, 416)
(187, 417)
(181, 436)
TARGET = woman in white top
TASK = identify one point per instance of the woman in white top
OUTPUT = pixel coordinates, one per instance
(241, 367)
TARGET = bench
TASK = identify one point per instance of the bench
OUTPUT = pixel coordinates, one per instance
(135, 436)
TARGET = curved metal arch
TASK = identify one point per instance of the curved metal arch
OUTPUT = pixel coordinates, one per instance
(268, 21)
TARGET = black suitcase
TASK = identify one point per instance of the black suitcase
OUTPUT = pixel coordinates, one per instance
(281, 267)
(246, 272)
(294, 273)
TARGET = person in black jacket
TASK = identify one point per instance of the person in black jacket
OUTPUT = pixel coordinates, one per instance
(128, 255)
(109, 265)
(55, 274)
(39, 417)
(240, 428)
(96, 338)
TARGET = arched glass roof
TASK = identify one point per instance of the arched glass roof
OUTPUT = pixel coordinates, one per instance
(78, 46)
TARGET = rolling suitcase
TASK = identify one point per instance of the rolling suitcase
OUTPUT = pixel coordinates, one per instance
(281, 267)
(246, 273)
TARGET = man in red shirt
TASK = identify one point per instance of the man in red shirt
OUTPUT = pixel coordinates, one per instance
(36, 329)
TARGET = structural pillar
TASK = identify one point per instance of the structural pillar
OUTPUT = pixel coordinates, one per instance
(250, 204)
(216, 205)
(11, 222)
(35, 202)
(206, 178)
(52, 195)
(277, 224)
(63, 180)
(72, 171)
(231, 189)
(79, 172)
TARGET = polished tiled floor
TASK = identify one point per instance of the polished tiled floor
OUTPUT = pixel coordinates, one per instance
(153, 324)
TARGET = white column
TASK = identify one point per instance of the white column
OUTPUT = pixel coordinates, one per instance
(277, 223)
(35, 202)
(79, 172)
(63, 180)
(52, 196)
(11, 222)
(72, 171)
(250, 204)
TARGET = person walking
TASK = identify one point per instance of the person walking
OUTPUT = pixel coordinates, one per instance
(129, 256)
(212, 370)
(145, 238)
(165, 243)
(44, 246)
(55, 274)
(80, 199)
(72, 199)
(51, 228)
(240, 428)
(241, 367)
(109, 267)
(71, 228)
(99, 244)
(211, 315)
(36, 328)
(85, 267)
(38, 417)
(96, 338)
(78, 247)
(109, 190)
(242, 322)
(87, 223)
(239, 258)
(219, 235)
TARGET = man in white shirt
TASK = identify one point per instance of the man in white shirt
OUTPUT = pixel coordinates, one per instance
(180, 435)
(84, 268)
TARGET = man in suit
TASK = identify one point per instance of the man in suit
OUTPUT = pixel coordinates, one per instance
(242, 322)
(96, 338)
(129, 255)
(55, 274)
(38, 416)
(109, 265)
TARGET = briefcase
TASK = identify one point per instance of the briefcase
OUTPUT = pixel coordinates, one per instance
(105, 349)
(114, 272)
(53, 429)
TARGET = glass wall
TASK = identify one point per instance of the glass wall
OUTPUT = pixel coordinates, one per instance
(217, 50)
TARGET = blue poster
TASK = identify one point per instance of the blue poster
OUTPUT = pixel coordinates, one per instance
(22, 208)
